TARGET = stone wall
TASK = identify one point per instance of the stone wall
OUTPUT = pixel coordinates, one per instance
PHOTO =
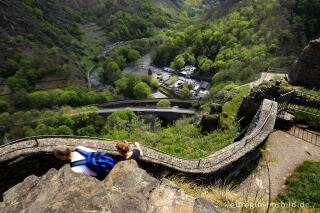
(224, 163)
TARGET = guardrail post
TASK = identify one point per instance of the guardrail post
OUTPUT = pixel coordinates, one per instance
(36, 141)
(198, 163)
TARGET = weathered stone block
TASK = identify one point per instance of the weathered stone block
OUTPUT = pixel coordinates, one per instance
(209, 123)
(215, 108)
(126, 189)
(306, 71)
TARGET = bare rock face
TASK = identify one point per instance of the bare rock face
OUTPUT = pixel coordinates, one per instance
(307, 70)
(126, 189)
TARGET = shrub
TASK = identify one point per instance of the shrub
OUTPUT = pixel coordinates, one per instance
(70, 97)
(16, 84)
(311, 120)
(64, 130)
(164, 103)
(155, 85)
(30, 37)
(185, 93)
(28, 131)
(3, 106)
(20, 99)
(173, 79)
(205, 64)
(87, 131)
(141, 90)
(40, 99)
(190, 86)
(66, 120)
(18, 39)
(16, 133)
(50, 118)
(31, 117)
(41, 129)
(121, 118)
(146, 79)
(133, 55)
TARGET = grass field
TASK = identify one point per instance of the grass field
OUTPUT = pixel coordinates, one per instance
(303, 185)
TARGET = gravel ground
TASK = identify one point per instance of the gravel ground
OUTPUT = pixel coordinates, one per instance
(157, 94)
(290, 152)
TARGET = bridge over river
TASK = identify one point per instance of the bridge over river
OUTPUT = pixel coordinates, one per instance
(170, 113)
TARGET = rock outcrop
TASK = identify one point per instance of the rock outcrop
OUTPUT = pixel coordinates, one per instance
(307, 70)
(126, 189)
(209, 123)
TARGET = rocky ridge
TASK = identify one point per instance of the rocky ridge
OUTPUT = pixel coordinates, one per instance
(126, 189)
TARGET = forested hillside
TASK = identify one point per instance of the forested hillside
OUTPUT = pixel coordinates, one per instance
(42, 41)
(239, 39)
(40, 38)
(134, 19)
(36, 40)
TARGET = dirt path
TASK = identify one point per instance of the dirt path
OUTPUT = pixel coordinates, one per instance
(290, 153)
(264, 77)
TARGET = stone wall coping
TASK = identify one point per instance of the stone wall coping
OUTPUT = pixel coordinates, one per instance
(263, 125)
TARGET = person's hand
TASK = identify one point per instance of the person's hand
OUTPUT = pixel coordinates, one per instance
(138, 147)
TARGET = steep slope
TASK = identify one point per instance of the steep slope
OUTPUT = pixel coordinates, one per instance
(128, 19)
(36, 40)
(41, 38)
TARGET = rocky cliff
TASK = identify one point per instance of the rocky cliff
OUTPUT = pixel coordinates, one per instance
(307, 70)
(126, 189)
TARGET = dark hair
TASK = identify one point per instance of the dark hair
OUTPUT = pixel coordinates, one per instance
(61, 151)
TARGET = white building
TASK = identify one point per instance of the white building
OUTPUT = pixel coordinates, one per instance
(189, 69)
(167, 69)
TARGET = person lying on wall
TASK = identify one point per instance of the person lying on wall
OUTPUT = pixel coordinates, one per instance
(124, 150)
(82, 159)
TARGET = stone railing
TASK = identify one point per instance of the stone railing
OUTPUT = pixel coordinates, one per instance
(221, 160)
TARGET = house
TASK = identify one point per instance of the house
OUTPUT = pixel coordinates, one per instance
(185, 84)
(204, 85)
(185, 74)
(196, 87)
(202, 93)
(165, 78)
(166, 81)
(167, 69)
(189, 69)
